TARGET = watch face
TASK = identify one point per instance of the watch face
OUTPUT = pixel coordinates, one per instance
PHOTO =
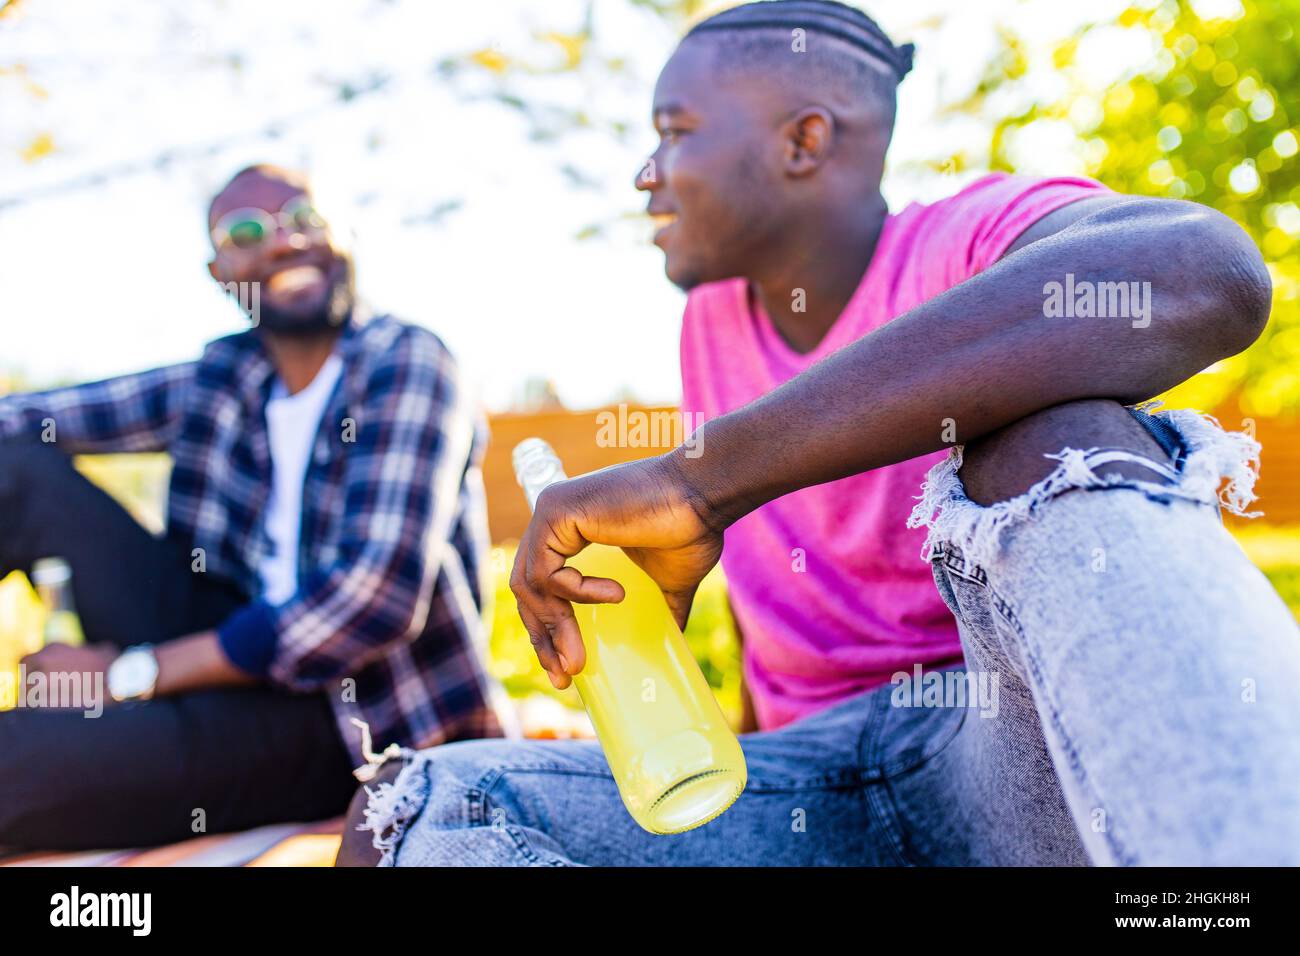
(132, 674)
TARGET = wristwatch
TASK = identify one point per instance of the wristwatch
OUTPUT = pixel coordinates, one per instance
(133, 675)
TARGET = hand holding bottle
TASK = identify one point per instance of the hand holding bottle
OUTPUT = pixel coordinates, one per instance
(650, 510)
(618, 542)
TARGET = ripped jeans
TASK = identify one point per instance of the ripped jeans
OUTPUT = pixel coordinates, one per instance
(1130, 695)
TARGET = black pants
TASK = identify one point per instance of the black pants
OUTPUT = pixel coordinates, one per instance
(149, 772)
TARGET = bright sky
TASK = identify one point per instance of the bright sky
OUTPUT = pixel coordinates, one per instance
(109, 279)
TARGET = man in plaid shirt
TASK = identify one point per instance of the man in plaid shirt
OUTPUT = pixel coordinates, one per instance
(320, 568)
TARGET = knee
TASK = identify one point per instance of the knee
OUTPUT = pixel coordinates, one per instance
(357, 845)
(1007, 462)
(24, 460)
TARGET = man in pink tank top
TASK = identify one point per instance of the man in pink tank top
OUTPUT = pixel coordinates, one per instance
(1061, 679)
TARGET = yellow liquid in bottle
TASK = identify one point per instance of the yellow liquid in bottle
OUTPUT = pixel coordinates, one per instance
(676, 760)
(53, 580)
(64, 627)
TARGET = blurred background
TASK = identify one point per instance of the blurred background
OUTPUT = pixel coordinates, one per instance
(481, 160)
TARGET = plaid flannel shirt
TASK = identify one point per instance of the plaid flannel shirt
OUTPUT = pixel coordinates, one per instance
(387, 616)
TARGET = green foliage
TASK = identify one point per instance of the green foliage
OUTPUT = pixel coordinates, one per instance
(1276, 551)
(1211, 117)
(1286, 580)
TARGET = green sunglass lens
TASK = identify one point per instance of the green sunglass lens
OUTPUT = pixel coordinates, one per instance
(306, 219)
(247, 233)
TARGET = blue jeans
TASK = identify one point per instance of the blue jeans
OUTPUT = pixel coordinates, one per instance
(1130, 695)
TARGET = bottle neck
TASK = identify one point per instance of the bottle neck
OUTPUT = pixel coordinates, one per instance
(536, 467)
(56, 597)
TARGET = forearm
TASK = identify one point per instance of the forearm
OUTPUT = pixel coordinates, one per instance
(196, 662)
(983, 355)
(130, 413)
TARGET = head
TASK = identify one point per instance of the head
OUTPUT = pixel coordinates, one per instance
(769, 115)
(266, 232)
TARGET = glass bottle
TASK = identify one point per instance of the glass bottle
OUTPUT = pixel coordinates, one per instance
(52, 578)
(676, 760)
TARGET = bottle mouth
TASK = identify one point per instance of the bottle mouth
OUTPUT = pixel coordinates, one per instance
(47, 571)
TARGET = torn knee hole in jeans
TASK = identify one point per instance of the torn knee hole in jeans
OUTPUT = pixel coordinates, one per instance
(390, 807)
(1220, 468)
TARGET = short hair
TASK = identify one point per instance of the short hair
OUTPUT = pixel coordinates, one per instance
(293, 177)
(861, 59)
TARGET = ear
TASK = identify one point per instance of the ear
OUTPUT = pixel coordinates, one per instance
(808, 137)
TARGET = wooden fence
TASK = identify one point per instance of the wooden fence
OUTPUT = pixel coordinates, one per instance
(580, 439)
(584, 442)
(1279, 471)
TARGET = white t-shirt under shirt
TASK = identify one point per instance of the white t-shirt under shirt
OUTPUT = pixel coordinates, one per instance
(292, 422)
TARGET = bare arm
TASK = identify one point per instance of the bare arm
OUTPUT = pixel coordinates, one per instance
(196, 662)
(983, 354)
(184, 664)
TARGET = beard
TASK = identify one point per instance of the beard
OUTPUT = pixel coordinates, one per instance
(331, 314)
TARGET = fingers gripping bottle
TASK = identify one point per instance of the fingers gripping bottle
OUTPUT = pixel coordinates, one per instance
(675, 759)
